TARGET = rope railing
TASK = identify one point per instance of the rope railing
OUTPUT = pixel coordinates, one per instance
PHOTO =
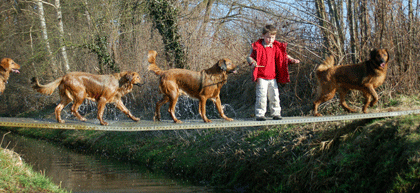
(149, 125)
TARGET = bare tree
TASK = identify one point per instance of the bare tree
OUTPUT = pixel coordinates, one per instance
(45, 34)
(324, 24)
(352, 28)
(206, 18)
(61, 39)
(364, 24)
(336, 17)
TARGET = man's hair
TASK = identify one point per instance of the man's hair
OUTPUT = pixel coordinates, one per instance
(269, 29)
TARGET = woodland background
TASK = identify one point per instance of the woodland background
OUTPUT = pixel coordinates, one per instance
(50, 38)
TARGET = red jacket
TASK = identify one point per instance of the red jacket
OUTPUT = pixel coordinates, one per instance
(281, 60)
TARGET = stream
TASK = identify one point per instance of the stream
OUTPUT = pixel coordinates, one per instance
(88, 173)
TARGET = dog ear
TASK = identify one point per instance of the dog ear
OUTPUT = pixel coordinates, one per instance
(125, 78)
(373, 53)
(387, 53)
(129, 77)
(4, 65)
(222, 65)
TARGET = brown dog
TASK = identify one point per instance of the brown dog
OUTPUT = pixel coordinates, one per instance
(365, 76)
(202, 85)
(7, 65)
(79, 86)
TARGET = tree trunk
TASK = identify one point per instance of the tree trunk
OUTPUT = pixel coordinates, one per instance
(88, 18)
(61, 39)
(323, 24)
(164, 15)
(411, 36)
(32, 50)
(336, 21)
(206, 18)
(45, 34)
(411, 19)
(352, 29)
(364, 26)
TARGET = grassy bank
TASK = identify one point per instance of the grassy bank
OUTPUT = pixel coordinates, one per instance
(16, 176)
(380, 155)
(370, 155)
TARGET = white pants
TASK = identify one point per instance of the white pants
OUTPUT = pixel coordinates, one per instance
(267, 89)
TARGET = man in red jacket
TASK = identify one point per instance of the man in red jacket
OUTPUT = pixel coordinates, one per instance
(270, 60)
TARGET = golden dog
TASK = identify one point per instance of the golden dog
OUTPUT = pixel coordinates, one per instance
(7, 65)
(79, 86)
(202, 85)
(365, 76)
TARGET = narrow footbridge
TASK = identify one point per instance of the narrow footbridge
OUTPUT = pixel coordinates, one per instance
(148, 125)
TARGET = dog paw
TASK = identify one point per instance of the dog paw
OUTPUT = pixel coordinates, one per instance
(135, 119)
(156, 118)
(318, 115)
(372, 104)
(104, 123)
(350, 110)
(228, 119)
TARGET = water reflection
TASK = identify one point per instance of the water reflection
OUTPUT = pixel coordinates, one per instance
(83, 173)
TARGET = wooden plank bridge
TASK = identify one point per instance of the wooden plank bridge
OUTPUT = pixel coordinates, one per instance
(149, 125)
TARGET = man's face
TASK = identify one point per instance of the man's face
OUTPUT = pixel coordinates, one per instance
(269, 39)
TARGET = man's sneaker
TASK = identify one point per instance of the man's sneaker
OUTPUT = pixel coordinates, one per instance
(277, 118)
(261, 119)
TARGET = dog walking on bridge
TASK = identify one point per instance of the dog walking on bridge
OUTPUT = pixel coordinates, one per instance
(365, 76)
(78, 86)
(202, 85)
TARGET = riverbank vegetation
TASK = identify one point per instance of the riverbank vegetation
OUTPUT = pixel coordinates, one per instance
(49, 39)
(379, 155)
(16, 176)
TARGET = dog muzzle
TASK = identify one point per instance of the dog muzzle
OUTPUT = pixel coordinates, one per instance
(234, 71)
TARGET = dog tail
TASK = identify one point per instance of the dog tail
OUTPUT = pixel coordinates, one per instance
(151, 58)
(327, 64)
(323, 72)
(47, 89)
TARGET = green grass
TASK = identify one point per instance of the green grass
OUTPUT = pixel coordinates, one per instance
(335, 157)
(381, 155)
(16, 176)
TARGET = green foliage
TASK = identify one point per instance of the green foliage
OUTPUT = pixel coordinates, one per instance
(164, 16)
(408, 181)
(392, 103)
(105, 59)
(353, 156)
